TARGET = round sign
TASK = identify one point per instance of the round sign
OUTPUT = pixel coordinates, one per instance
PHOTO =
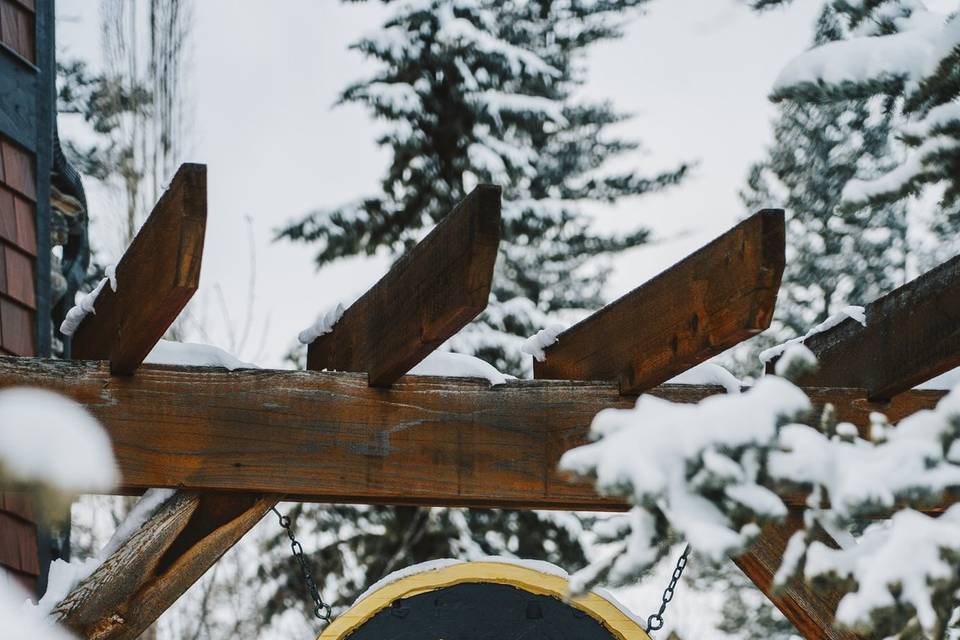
(486, 600)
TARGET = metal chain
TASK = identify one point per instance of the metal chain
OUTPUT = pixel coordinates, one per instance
(655, 622)
(320, 608)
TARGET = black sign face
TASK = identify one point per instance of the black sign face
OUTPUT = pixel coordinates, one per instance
(480, 611)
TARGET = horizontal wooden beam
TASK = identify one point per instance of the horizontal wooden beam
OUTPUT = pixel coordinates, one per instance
(329, 437)
(156, 277)
(428, 295)
(713, 299)
(912, 335)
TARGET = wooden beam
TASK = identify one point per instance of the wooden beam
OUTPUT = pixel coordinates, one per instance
(156, 277)
(706, 303)
(811, 612)
(912, 335)
(329, 437)
(170, 552)
(427, 296)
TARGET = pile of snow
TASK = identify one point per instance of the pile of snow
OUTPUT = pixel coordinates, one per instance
(536, 344)
(20, 622)
(49, 439)
(322, 325)
(194, 355)
(669, 455)
(709, 373)
(852, 311)
(83, 307)
(457, 365)
(894, 565)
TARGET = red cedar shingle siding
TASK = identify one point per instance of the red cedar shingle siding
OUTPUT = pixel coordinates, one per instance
(17, 27)
(18, 250)
(18, 540)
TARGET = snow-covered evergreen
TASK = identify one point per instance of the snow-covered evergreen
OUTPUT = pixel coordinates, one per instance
(709, 473)
(910, 55)
(469, 92)
(475, 91)
(836, 255)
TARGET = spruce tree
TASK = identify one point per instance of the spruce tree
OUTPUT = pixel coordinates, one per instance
(836, 254)
(470, 92)
(910, 57)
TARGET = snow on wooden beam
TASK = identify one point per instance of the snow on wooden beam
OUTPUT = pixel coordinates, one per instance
(170, 552)
(156, 277)
(329, 437)
(912, 335)
(713, 299)
(427, 296)
(811, 611)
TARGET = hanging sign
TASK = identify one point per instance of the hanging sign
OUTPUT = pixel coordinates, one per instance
(485, 600)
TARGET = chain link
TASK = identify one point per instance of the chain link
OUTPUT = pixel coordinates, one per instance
(655, 621)
(320, 609)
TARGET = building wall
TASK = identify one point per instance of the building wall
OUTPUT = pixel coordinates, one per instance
(27, 91)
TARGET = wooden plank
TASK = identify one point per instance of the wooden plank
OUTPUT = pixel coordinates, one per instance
(811, 611)
(716, 297)
(160, 561)
(912, 335)
(330, 437)
(427, 296)
(156, 277)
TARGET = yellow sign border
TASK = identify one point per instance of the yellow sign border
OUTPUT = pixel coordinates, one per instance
(622, 626)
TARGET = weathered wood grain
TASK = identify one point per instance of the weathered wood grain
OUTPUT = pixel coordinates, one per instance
(157, 564)
(912, 335)
(330, 437)
(427, 296)
(810, 611)
(156, 277)
(706, 303)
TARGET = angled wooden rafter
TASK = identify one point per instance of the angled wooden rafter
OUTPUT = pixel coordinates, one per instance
(157, 276)
(912, 335)
(713, 299)
(429, 295)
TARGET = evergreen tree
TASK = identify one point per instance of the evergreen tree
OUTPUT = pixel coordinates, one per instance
(482, 91)
(910, 57)
(478, 91)
(836, 255)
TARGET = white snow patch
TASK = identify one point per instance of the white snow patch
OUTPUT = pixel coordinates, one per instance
(83, 306)
(457, 365)
(710, 374)
(48, 438)
(194, 355)
(795, 355)
(322, 325)
(21, 621)
(852, 311)
(535, 344)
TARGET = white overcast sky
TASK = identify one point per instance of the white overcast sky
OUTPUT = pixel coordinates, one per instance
(695, 72)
